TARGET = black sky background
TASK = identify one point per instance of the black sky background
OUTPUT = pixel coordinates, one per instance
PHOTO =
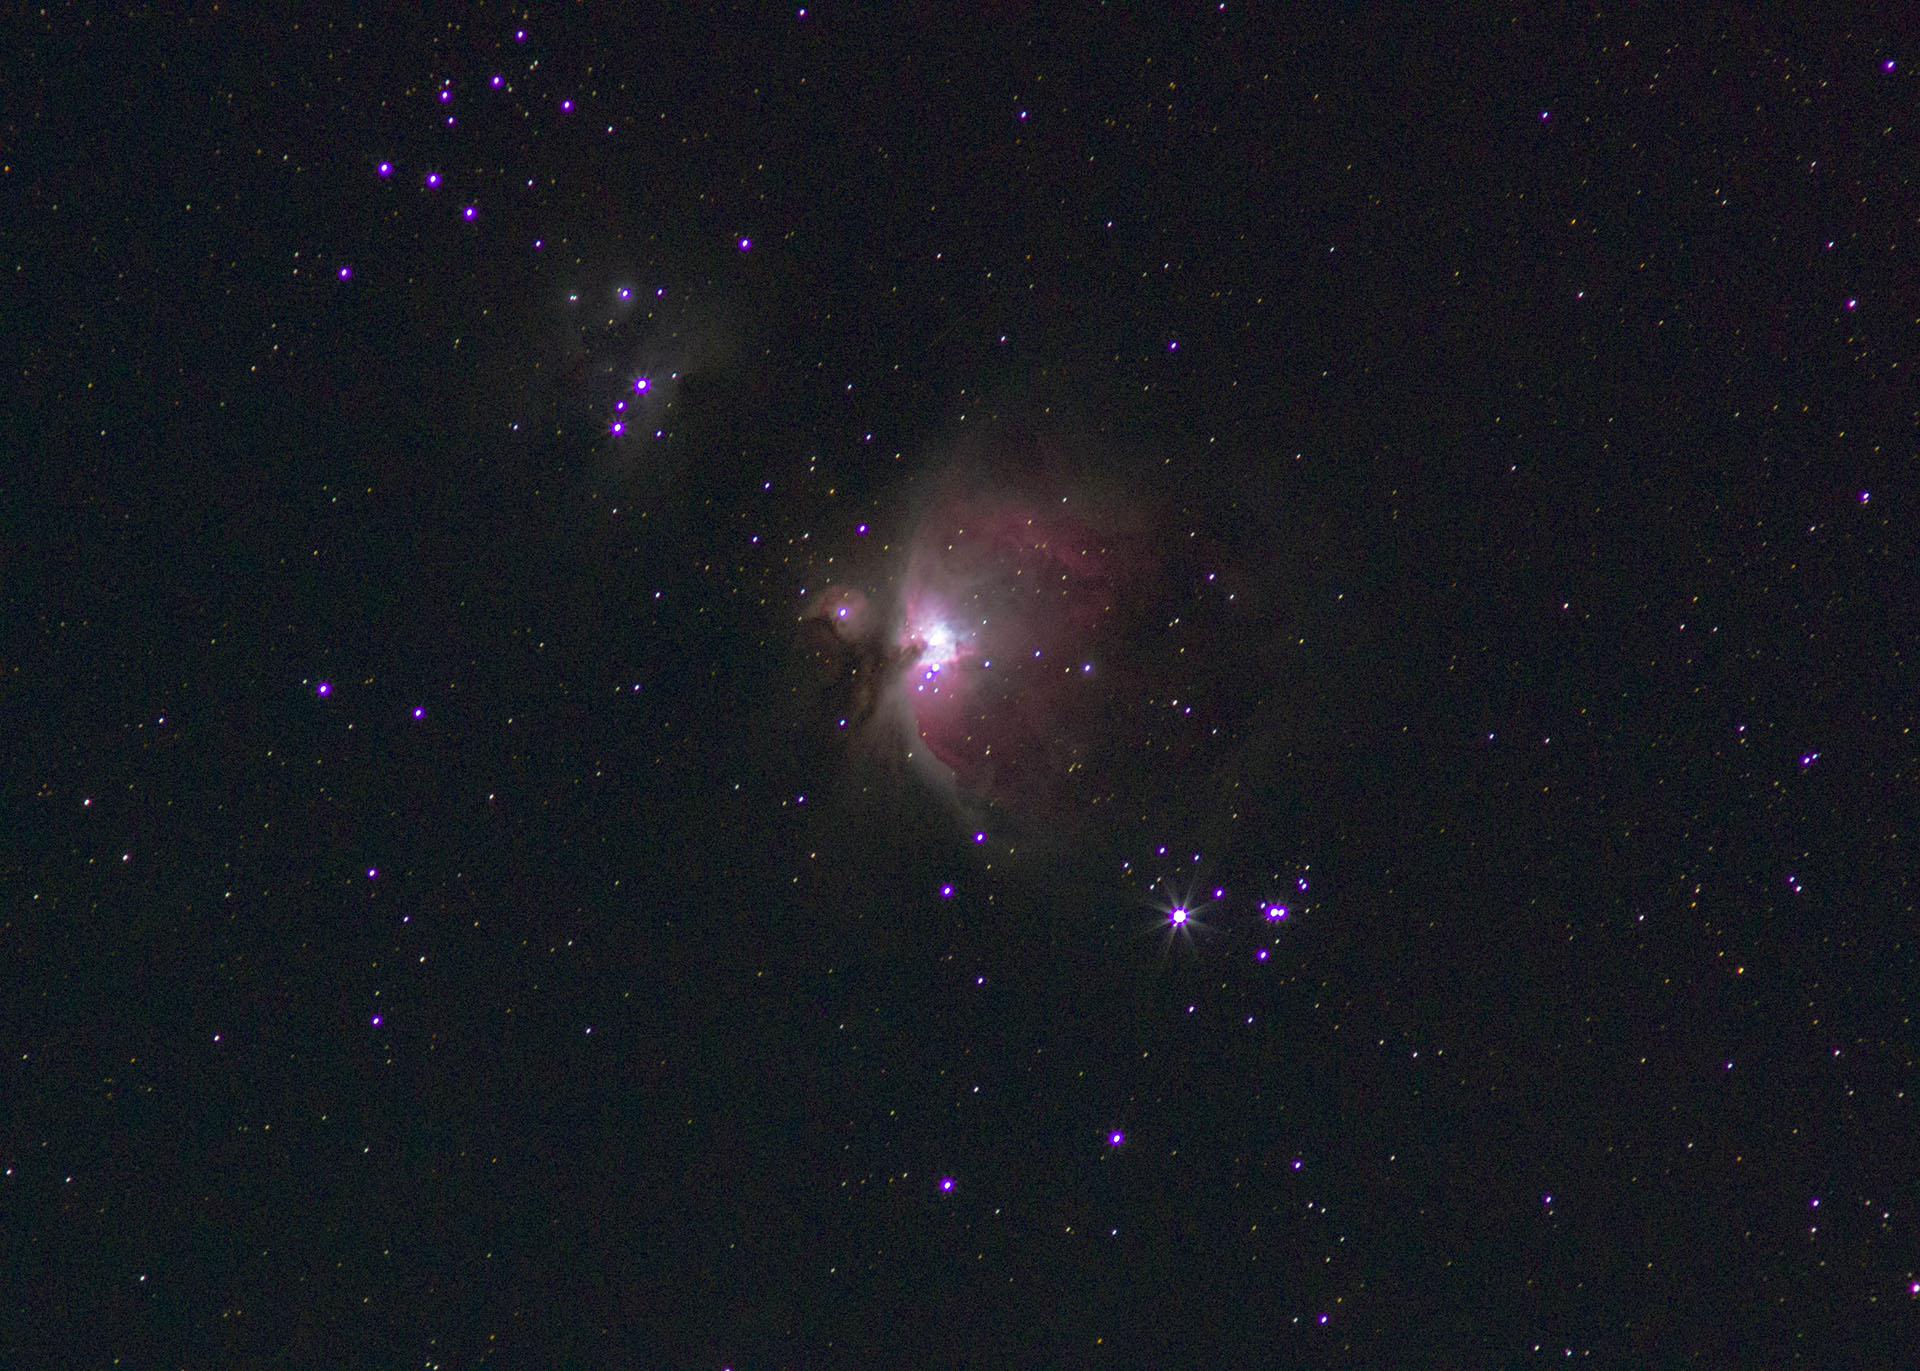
(1577, 456)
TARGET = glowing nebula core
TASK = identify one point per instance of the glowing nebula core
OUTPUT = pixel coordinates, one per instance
(1000, 637)
(1049, 649)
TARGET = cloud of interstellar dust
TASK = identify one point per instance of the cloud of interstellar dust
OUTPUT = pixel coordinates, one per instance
(992, 653)
(1083, 647)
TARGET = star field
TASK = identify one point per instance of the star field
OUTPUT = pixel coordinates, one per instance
(801, 687)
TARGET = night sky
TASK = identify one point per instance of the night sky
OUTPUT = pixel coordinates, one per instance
(959, 686)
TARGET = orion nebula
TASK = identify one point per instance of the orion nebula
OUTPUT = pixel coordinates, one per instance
(1036, 646)
(1008, 609)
